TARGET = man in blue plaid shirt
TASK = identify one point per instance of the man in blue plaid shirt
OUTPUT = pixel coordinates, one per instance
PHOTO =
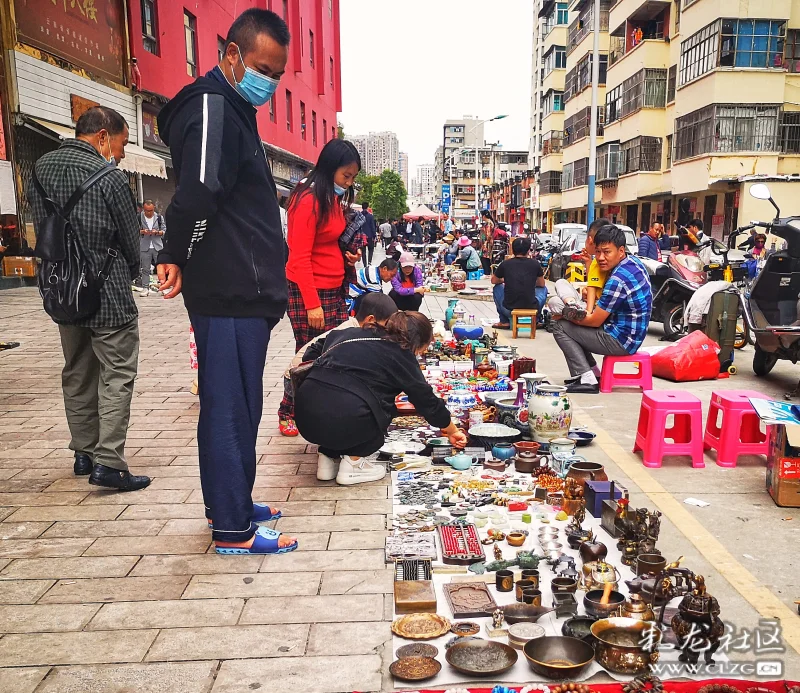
(618, 324)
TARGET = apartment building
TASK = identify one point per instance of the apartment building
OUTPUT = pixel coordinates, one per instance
(402, 168)
(379, 151)
(700, 98)
(455, 163)
(425, 187)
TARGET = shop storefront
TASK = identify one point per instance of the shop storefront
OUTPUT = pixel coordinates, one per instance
(68, 58)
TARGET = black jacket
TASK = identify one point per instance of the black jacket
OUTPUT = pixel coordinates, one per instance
(223, 224)
(384, 367)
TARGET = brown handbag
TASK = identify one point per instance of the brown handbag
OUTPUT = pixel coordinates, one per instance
(299, 373)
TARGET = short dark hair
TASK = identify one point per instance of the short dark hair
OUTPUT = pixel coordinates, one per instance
(250, 23)
(100, 118)
(697, 223)
(521, 246)
(610, 234)
(596, 225)
(376, 304)
(388, 264)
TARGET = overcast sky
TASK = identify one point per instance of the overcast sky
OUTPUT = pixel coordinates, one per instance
(408, 66)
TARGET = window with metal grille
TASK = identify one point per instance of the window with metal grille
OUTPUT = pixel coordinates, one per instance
(552, 102)
(567, 176)
(581, 172)
(314, 128)
(289, 119)
(790, 132)
(640, 154)
(672, 78)
(550, 182)
(190, 38)
(582, 77)
(791, 51)
(607, 161)
(669, 151)
(552, 142)
(149, 26)
(752, 43)
(554, 59)
(272, 109)
(577, 127)
(616, 48)
(584, 25)
(324, 131)
(311, 48)
(699, 53)
(728, 128)
(331, 71)
(558, 17)
(646, 89)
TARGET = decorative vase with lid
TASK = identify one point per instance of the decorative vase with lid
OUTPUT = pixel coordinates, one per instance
(549, 413)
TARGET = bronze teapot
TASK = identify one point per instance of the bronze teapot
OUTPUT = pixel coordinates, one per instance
(596, 574)
(636, 607)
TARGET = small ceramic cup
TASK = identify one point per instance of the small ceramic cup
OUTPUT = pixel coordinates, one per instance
(504, 580)
(521, 586)
(532, 596)
(532, 575)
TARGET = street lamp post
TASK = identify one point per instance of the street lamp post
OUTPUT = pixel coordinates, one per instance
(477, 163)
(592, 173)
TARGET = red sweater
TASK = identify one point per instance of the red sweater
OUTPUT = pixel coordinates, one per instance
(315, 259)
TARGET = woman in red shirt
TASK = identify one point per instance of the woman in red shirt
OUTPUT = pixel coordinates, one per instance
(315, 270)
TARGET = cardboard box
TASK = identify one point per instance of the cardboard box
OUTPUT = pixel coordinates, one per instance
(783, 465)
(19, 266)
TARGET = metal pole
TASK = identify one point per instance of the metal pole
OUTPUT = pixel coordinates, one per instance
(477, 183)
(593, 120)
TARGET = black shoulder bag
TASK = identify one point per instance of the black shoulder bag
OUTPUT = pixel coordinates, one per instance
(299, 373)
(69, 288)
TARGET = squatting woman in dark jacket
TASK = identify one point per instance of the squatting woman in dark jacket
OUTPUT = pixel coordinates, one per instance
(347, 401)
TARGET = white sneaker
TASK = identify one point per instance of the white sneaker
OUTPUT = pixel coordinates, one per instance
(327, 467)
(143, 292)
(359, 472)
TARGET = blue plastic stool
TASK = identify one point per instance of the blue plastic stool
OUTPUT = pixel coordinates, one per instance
(475, 275)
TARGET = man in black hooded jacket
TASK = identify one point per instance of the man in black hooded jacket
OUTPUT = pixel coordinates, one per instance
(224, 249)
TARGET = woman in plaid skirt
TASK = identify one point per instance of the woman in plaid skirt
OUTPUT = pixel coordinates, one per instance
(318, 209)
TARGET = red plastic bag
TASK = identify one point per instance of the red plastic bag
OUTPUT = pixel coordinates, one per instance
(693, 357)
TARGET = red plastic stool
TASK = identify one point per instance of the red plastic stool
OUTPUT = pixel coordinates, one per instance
(643, 378)
(740, 431)
(686, 431)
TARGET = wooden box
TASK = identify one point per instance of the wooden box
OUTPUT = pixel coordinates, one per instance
(19, 266)
(414, 597)
(783, 465)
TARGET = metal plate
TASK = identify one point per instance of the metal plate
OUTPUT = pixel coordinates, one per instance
(417, 649)
(415, 668)
(481, 657)
(421, 626)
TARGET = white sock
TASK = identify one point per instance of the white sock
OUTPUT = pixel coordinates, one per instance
(588, 378)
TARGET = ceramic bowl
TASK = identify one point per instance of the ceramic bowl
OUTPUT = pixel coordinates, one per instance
(462, 398)
(489, 434)
(503, 451)
(526, 446)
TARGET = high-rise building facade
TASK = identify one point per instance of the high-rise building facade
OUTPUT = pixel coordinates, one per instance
(697, 98)
(459, 139)
(402, 168)
(426, 183)
(379, 151)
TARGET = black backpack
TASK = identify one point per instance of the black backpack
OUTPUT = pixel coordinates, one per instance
(69, 287)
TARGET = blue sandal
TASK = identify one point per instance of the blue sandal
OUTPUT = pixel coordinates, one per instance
(261, 513)
(266, 542)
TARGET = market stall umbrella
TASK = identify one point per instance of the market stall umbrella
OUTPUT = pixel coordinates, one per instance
(421, 211)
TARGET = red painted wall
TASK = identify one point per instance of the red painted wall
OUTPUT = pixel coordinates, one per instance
(165, 73)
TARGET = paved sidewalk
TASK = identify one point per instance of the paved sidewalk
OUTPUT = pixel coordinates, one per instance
(103, 591)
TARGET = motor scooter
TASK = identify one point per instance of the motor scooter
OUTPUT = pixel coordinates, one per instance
(771, 306)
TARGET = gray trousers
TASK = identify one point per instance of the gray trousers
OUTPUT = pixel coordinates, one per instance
(579, 343)
(565, 293)
(147, 258)
(97, 381)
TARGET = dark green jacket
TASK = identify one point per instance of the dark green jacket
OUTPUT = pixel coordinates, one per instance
(104, 217)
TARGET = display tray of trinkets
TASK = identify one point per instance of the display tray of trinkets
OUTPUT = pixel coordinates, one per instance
(532, 562)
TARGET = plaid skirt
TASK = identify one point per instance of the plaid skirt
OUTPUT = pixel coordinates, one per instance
(333, 306)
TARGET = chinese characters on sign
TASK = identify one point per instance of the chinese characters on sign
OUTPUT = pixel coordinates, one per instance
(150, 127)
(87, 33)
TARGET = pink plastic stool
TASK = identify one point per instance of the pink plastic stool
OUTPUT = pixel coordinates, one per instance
(643, 378)
(740, 431)
(686, 431)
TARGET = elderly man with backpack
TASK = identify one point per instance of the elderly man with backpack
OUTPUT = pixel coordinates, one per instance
(88, 238)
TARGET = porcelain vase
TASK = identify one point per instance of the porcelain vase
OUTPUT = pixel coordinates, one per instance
(549, 413)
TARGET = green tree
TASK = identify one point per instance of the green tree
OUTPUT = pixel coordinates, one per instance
(366, 184)
(389, 196)
(340, 131)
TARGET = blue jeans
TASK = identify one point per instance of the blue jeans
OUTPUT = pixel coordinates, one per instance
(449, 258)
(499, 293)
(231, 354)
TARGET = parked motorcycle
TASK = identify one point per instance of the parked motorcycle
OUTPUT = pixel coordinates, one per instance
(771, 306)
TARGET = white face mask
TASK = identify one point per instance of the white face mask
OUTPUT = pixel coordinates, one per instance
(110, 158)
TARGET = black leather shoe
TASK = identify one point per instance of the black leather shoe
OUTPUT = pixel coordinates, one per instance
(116, 478)
(83, 464)
(573, 379)
(583, 388)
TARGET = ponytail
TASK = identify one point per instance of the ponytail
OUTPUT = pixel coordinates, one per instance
(410, 329)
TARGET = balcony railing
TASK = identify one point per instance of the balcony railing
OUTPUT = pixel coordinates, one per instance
(582, 27)
(552, 142)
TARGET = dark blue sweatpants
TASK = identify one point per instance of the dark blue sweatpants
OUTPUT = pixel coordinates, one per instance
(231, 353)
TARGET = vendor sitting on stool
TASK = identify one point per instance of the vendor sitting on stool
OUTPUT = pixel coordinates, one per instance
(408, 286)
(347, 401)
(518, 283)
(618, 324)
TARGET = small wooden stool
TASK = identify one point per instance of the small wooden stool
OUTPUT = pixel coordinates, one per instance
(518, 313)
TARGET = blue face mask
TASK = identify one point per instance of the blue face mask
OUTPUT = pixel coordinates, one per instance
(255, 87)
(339, 190)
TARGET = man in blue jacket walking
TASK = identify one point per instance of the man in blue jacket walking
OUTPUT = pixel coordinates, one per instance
(370, 231)
(224, 249)
(648, 243)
